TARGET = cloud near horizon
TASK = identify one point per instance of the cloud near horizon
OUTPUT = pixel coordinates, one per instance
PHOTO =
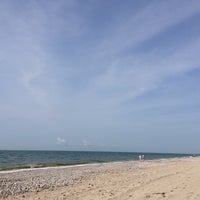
(60, 141)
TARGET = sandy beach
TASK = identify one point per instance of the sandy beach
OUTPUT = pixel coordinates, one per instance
(172, 179)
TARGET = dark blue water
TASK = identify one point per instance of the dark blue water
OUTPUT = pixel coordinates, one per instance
(34, 159)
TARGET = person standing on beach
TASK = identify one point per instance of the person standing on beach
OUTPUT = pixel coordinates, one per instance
(142, 157)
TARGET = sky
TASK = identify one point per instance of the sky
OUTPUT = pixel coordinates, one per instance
(100, 75)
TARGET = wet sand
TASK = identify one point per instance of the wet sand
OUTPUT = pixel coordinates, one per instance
(172, 179)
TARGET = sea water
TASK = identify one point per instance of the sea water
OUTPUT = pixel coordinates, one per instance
(34, 159)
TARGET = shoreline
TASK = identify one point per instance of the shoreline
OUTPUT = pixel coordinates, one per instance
(30, 168)
(32, 183)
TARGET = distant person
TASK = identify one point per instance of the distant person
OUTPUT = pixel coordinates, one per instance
(140, 157)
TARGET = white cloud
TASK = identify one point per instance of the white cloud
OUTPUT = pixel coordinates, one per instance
(60, 141)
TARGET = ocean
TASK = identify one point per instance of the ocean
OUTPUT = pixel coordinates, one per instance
(35, 159)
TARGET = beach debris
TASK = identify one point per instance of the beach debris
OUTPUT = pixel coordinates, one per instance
(160, 193)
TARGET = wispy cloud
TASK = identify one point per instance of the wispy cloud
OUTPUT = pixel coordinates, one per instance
(35, 90)
(133, 76)
(24, 50)
(122, 76)
(152, 20)
(24, 36)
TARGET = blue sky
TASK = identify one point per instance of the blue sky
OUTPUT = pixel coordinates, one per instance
(100, 75)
